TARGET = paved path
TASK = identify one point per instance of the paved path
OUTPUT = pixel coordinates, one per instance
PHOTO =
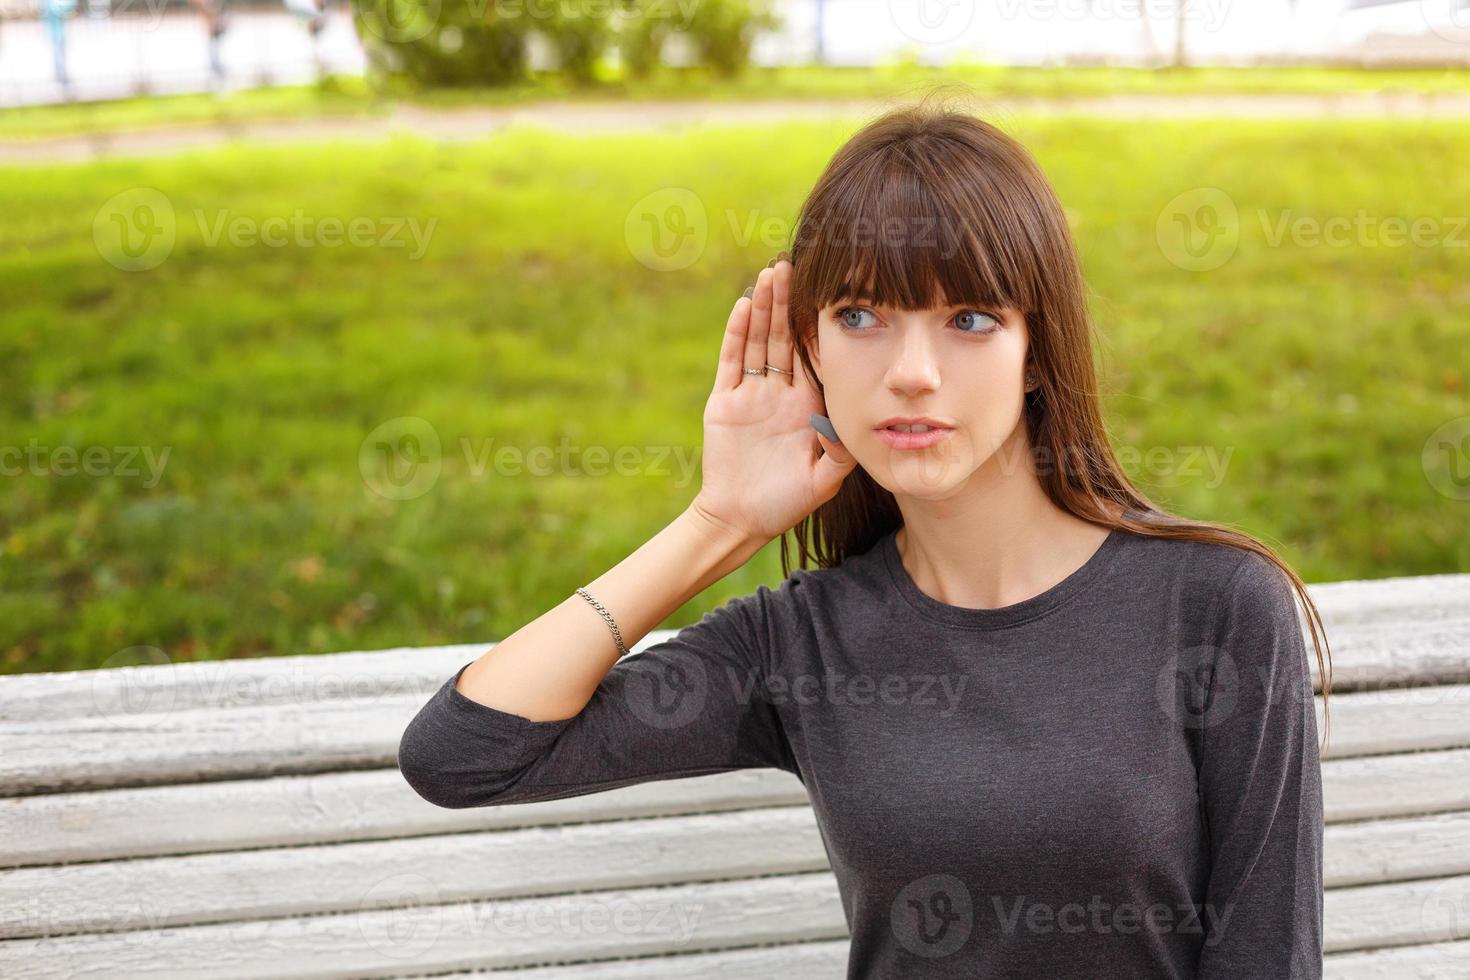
(461, 124)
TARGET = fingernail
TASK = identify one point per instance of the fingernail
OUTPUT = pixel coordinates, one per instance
(824, 425)
(749, 292)
(772, 264)
(784, 255)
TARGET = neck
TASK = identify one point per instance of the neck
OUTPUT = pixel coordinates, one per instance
(999, 543)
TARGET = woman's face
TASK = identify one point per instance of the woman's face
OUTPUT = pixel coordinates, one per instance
(961, 366)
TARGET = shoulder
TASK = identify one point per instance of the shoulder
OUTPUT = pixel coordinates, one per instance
(1219, 584)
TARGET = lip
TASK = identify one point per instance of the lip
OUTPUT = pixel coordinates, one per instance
(914, 440)
(913, 420)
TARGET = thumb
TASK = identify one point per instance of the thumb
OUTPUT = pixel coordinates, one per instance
(836, 461)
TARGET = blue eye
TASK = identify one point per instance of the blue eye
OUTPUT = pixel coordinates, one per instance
(847, 315)
(982, 329)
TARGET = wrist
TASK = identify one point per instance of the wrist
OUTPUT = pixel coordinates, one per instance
(736, 541)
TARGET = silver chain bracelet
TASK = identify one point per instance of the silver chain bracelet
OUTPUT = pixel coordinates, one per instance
(617, 633)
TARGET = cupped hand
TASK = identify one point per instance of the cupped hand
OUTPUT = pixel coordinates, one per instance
(765, 467)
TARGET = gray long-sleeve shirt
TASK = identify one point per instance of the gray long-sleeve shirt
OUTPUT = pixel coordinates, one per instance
(1116, 778)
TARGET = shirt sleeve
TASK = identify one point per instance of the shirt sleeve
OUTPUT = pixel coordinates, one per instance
(1261, 788)
(691, 705)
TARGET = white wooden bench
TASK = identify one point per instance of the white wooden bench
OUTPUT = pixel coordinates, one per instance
(247, 819)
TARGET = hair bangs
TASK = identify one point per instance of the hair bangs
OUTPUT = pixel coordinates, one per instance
(897, 237)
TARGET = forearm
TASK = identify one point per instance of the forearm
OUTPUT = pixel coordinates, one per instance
(549, 668)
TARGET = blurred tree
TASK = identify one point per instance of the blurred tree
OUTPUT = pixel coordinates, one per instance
(723, 31)
(444, 42)
(720, 32)
(580, 33)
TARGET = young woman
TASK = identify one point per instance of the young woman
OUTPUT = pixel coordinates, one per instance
(1047, 729)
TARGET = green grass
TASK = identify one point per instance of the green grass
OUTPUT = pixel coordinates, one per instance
(1321, 371)
(342, 96)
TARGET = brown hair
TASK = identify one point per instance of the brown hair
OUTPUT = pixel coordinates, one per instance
(927, 205)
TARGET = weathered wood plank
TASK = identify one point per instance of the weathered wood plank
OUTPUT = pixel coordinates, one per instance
(1405, 913)
(1377, 851)
(156, 893)
(325, 808)
(376, 804)
(397, 930)
(194, 889)
(1383, 632)
(828, 961)
(1396, 785)
(1402, 720)
(793, 961)
(179, 747)
(1436, 961)
(1390, 653)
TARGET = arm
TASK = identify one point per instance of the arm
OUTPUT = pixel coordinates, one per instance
(551, 712)
(1261, 787)
(541, 715)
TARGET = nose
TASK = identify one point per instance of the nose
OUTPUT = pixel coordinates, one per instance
(916, 368)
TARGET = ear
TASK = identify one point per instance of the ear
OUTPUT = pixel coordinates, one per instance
(814, 353)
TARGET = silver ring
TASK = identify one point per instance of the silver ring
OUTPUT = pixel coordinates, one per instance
(760, 371)
(770, 367)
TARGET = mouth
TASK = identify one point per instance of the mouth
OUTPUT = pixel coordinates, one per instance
(913, 435)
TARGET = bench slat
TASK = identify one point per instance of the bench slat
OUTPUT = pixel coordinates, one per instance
(390, 937)
(680, 919)
(326, 808)
(1403, 720)
(155, 893)
(1403, 913)
(796, 961)
(826, 961)
(375, 804)
(1436, 961)
(1377, 851)
(1395, 785)
(194, 889)
(1381, 630)
(181, 747)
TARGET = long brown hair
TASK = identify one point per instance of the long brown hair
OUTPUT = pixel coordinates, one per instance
(929, 204)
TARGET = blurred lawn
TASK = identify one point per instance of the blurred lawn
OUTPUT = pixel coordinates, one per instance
(347, 96)
(1321, 371)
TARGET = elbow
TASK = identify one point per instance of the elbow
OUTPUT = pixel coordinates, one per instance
(447, 779)
(432, 786)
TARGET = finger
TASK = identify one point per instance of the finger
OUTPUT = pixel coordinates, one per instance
(760, 323)
(778, 348)
(834, 466)
(732, 347)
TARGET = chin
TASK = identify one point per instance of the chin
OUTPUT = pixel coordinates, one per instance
(921, 475)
